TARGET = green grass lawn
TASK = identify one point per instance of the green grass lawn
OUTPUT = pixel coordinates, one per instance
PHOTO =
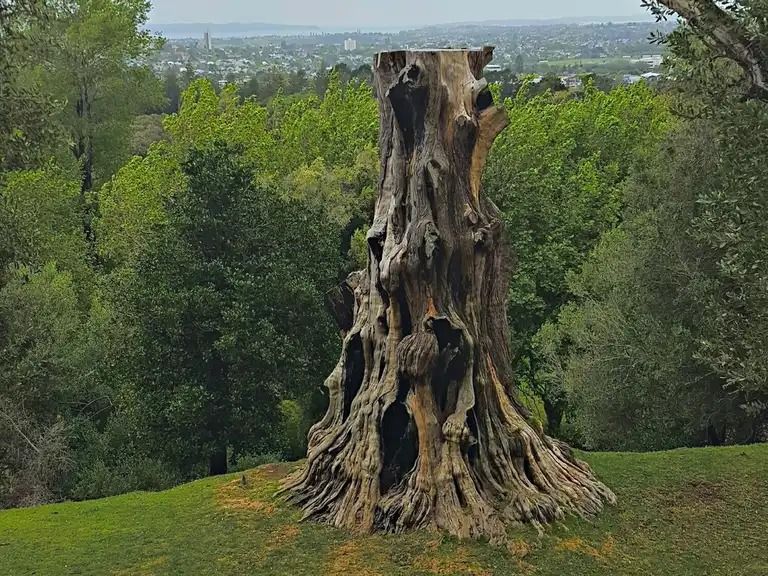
(687, 512)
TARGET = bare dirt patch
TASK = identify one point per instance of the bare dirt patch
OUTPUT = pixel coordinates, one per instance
(284, 536)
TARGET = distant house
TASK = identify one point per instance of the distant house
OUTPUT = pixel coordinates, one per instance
(571, 81)
(350, 45)
(631, 79)
(651, 77)
(654, 61)
(493, 68)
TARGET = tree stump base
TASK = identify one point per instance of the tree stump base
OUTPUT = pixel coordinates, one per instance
(423, 429)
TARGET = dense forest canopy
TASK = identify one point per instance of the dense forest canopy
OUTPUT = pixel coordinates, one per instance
(166, 246)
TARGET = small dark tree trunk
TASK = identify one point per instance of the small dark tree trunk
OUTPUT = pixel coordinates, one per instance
(421, 431)
(84, 153)
(217, 462)
(554, 411)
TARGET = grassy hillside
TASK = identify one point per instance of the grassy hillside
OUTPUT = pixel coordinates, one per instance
(686, 512)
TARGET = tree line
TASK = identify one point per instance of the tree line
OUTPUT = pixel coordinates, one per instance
(164, 265)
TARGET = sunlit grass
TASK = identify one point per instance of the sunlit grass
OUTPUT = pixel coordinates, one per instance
(687, 512)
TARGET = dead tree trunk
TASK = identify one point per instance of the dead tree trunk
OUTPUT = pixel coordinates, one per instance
(421, 431)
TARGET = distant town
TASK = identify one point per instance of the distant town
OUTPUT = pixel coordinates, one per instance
(619, 51)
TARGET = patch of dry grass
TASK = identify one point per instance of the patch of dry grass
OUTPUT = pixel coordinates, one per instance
(576, 545)
(457, 562)
(354, 557)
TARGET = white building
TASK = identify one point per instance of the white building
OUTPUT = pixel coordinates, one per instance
(350, 44)
(651, 77)
(571, 81)
(654, 61)
(206, 43)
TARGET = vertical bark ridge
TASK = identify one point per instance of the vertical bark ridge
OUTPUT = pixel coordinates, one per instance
(432, 436)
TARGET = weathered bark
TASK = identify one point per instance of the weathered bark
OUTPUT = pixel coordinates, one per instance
(341, 302)
(421, 431)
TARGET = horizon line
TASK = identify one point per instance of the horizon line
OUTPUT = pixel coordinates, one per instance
(625, 19)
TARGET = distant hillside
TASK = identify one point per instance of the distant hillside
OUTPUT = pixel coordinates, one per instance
(252, 29)
(639, 17)
(231, 30)
(695, 512)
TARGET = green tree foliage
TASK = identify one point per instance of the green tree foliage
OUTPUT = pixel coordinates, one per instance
(335, 128)
(546, 83)
(345, 192)
(27, 132)
(662, 345)
(212, 263)
(557, 173)
(506, 82)
(730, 225)
(39, 335)
(206, 116)
(133, 204)
(327, 148)
(146, 130)
(48, 347)
(666, 342)
(722, 46)
(95, 67)
(229, 311)
(339, 176)
(38, 210)
(173, 87)
(264, 86)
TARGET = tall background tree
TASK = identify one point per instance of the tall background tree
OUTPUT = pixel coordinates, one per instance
(669, 313)
(557, 173)
(228, 304)
(95, 69)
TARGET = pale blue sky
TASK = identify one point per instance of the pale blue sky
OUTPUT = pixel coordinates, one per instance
(382, 13)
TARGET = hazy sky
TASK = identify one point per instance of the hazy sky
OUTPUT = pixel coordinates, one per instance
(381, 13)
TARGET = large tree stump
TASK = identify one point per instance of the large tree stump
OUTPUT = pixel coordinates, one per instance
(423, 429)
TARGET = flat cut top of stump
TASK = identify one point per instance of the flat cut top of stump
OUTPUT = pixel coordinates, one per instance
(477, 58)
(483, 49)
